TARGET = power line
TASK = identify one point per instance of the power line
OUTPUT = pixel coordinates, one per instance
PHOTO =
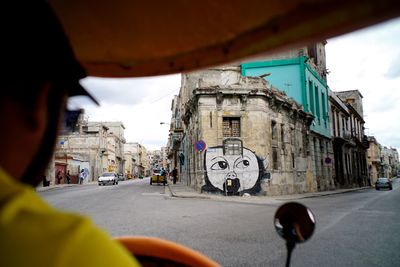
(158, 99)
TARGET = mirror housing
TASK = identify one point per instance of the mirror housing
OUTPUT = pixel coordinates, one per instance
(294, 222)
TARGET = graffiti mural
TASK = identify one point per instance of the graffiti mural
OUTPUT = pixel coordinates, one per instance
(232, 169)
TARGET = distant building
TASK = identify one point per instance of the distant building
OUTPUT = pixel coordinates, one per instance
(349, 142)
(114, 146)
(95, 147)
(130, 161)
(174, 153)
(374, 159)
(355, 159)
(166, 163)
(155, 160)
(389, 162)
(136, 155)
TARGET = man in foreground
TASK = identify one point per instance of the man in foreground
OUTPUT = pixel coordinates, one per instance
(39, 72)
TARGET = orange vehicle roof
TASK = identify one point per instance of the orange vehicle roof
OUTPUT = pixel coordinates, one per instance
(129, 38)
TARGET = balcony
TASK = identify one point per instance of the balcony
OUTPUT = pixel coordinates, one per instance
(176, 139)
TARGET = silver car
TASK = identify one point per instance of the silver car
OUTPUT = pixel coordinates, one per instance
(108, 178)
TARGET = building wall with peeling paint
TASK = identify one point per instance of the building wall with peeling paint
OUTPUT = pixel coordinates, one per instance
(272, 126)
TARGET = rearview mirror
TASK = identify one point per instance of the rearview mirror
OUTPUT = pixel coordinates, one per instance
(295, 223)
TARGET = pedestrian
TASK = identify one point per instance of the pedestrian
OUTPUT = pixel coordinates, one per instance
(59, 177)
(41, 73)
(81, 176)
(163, 174)
(68, 177)
(174, 175)
(44, 181)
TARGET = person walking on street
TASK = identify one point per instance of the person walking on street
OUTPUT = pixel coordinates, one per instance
(174, 175)
(59, 177)
(163, 173)
(81, 177)
(68, 177)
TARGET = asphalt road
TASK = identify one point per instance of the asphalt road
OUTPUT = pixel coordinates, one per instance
(360, 228)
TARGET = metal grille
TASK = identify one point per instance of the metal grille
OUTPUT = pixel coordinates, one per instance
(231, 127)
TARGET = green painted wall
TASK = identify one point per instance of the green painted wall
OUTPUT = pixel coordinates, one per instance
(300, 82)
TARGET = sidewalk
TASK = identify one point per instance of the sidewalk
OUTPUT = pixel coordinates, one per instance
(40, 188)
(182, 191)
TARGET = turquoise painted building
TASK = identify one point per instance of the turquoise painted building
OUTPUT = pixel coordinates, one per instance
(299, 81)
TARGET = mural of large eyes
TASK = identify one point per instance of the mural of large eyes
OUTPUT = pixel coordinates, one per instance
(243, 164)
(219, 165)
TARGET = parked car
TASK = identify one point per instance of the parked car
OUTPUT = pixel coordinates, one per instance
(121, 177)
(383, 182)
(156, 177)
(108, 178)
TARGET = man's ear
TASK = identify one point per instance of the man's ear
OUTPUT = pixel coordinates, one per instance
(36, 114)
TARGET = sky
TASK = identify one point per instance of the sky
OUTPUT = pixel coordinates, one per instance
(367, 60)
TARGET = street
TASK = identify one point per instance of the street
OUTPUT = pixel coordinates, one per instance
(360, 228)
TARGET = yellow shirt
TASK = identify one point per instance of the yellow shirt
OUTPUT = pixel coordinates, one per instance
(34, 234)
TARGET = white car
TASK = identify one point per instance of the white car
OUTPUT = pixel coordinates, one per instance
(108, 178)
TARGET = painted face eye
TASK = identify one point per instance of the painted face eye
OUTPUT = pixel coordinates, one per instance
(243, 164)
(219, 165)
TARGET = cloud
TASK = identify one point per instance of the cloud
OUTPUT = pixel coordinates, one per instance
(364, 60)
(140, 104)
(394, 68)
(130, 91)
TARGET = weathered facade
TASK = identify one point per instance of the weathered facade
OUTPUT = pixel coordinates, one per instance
(174, 150)
(155, 160)
(95, 147)
(301, 74)
(349, 142)
(114, 146)
(373, 159)
(137, 154)
(130, 162)
(389, 162)
(249, 130)
(356, 162)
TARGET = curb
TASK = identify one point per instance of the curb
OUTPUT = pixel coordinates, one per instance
(57, 187)
(328, 193)
(172, 194)
(315, 195)
(50, 188)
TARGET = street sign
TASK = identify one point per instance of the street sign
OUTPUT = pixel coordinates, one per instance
(200, 145)
(328, 160)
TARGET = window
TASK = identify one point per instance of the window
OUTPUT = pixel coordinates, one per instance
(231, 127)
(324, 113)
(317, 108)
(282, 134)
(274, 158)
(293, 161)
(313, 53)
(343, 127)
(233, 147)
(273, 130)
(311, 93)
